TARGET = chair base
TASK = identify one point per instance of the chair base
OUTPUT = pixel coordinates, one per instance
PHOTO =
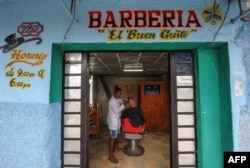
(133, 149)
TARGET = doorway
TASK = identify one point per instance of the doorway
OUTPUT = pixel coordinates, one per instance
(156, 111)
(155, 95)
(224, 123)
(156, 143)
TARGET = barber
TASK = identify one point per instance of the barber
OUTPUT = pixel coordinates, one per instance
(116, 105)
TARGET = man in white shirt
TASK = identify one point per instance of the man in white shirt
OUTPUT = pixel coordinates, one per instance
(116, 105)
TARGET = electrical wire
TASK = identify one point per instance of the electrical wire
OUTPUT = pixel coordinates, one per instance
(73, 11)
(228, 5)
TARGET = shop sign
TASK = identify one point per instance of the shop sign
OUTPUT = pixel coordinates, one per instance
(131, 24)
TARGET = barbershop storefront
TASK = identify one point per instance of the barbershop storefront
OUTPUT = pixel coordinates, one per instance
(207, 60)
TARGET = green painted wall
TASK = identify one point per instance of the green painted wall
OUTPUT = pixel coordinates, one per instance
(208, 110)
(56, 76)
(225, 99)
(213, 106)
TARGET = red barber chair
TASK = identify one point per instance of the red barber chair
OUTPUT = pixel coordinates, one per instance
(133, 134)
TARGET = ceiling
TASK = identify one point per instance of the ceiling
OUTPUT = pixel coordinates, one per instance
(112, 63)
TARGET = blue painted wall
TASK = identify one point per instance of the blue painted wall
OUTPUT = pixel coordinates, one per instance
(30, 135)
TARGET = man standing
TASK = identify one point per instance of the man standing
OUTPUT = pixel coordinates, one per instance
(116, 105)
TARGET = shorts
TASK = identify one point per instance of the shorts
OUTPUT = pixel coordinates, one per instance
(114, 133)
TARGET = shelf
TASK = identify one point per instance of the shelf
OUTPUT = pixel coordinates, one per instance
(94, 121)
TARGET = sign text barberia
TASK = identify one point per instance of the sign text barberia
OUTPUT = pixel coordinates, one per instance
(172, 23)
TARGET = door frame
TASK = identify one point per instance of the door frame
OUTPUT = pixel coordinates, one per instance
(222, 63)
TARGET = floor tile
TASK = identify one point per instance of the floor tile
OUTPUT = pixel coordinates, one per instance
(156, 155)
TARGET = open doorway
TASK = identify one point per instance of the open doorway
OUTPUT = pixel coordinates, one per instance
(151, 89)
(211, 62)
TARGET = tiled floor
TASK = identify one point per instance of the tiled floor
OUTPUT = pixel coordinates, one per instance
(156, 155)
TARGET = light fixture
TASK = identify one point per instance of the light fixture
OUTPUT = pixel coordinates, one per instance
(132, 70)
(134, 67)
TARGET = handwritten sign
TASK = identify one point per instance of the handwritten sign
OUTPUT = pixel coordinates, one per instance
(134, 34)
(19, 75)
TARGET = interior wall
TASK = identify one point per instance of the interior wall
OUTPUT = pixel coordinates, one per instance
(156, 107)
(101, 99)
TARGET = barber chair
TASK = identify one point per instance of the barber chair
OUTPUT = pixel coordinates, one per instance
(133, 135)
